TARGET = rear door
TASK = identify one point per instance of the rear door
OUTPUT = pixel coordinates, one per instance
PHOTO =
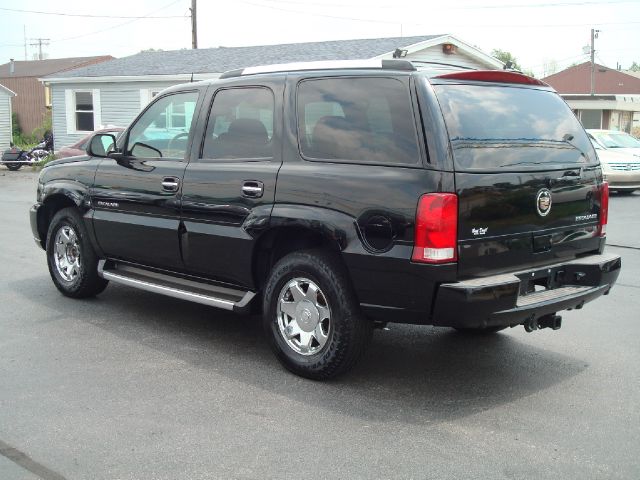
(526, 175)
(229, 186)
(136, 199)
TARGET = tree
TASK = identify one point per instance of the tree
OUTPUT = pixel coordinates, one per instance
(635, 67)
(506, 58)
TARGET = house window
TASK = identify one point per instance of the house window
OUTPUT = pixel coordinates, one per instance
(84, 111)
(591, 118)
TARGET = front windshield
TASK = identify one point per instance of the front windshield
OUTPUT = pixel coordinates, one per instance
(617, 140)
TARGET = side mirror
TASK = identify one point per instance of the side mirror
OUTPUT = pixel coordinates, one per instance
(101, 144)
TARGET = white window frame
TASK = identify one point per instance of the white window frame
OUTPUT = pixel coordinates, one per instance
(146, 95)
(70, 107)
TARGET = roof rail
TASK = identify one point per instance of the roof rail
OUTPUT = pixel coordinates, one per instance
(403, 65)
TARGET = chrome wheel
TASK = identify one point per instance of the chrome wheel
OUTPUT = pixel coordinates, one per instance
(304, 317)
(66, 253)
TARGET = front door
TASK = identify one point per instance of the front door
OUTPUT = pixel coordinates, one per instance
(229, 185)
(136, 198)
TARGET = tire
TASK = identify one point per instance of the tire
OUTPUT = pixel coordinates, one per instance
(478, 331)
(13, 166)
(624, 192)
(327, 334)
(73, 264)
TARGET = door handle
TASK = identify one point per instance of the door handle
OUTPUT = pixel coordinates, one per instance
(252, 189)
(170, 184)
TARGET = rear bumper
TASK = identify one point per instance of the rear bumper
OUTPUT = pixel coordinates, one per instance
(509, 300)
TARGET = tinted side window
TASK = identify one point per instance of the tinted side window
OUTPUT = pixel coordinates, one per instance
(163, 130)
(240, 124)
(357, 120)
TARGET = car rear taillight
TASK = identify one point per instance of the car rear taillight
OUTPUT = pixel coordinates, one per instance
(436, 230)
(604, 209)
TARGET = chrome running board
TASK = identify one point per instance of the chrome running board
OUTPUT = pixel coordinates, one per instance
(176, 287)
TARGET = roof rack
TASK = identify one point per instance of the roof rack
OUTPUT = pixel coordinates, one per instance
(403, 65)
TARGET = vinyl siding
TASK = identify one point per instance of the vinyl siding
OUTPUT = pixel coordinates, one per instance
(5, 120)
(119, 104)
(29, 102)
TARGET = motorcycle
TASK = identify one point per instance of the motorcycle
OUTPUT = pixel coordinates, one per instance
(14, 158)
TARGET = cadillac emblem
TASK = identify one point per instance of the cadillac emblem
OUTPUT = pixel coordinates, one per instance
(543, 202)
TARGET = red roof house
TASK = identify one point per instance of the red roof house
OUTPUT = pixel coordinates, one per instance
(615, 103)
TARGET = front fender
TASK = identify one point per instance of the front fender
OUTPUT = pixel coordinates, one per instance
(75, 191)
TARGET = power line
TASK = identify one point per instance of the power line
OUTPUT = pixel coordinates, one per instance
(61, 14)
(38, 43)
(458, 7)
(561, 61)
(115, 26)
(398, 22)
(133, 19)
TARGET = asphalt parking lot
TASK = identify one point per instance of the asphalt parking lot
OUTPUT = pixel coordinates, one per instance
(133, 385)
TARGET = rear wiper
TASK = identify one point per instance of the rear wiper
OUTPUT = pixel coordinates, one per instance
(521, 163)
(567, 137)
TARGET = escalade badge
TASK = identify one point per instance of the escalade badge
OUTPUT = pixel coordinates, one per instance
(543, 202)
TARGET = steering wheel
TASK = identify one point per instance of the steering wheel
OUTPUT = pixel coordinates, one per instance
(178, 136)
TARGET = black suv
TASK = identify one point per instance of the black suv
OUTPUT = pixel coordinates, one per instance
(335, 198)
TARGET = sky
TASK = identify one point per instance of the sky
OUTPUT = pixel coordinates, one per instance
(543, 35)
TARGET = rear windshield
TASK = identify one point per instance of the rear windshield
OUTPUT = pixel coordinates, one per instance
(508, 127)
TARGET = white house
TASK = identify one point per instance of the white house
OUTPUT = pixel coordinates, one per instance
(114, 92)
(5, 117)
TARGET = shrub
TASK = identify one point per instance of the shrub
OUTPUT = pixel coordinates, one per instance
(16, 131)
(38, 133)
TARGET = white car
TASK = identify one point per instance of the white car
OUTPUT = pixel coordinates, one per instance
(615, 140)
(621, 170)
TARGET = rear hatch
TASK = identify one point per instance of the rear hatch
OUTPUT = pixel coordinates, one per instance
(527, 177)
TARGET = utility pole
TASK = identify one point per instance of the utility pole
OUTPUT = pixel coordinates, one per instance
(594, 35)
(194, 25)
(39, 42)
(24, 36)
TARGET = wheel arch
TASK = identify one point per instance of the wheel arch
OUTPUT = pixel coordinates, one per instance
(293, 228)
(55, 198)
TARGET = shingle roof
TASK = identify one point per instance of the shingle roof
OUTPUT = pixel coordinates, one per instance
(40, 68)
(217, 60)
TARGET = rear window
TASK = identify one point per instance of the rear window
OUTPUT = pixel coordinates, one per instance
(506, 127)
(363, 120)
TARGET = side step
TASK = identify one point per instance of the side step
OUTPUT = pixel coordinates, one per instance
(176, 287)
